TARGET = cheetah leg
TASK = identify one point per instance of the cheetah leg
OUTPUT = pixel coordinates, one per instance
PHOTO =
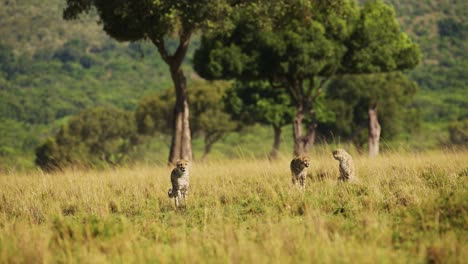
(176, 198)
(293, 178)
(302, 182)
(184, 195)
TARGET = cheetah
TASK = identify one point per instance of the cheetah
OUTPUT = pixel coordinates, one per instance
(347, 170)
(299, 167)
(180, 179)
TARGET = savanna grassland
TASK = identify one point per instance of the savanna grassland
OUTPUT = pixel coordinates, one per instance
(406, 208)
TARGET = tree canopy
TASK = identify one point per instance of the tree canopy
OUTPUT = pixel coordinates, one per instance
(156, 21)
(301, 44)
(256, 102)
(209, 118)
(350, 96)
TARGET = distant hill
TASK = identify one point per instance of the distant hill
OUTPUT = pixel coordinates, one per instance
(441, 29)
(32, 25)
(51, 69)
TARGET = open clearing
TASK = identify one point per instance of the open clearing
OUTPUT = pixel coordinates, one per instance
(406, 208)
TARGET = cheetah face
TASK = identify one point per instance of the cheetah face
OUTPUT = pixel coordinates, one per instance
(305, 161)
(338, 154)
(182, 165)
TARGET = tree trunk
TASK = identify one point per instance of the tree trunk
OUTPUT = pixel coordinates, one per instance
(374, 131)
(304, 100)
(276, 143)
(297, 133)
(309, 140)
(210, 139)
(302, 143)
(207, 149)
(181, 146)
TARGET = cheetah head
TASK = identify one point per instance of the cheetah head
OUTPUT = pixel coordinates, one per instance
(339, 154)
(305, 160)
(182, 165)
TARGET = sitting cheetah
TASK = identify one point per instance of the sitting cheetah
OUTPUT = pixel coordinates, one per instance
(180, 179)
(299, 167)
(347, 170)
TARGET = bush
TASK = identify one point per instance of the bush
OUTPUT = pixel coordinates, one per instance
(458, 132)
(94, 137)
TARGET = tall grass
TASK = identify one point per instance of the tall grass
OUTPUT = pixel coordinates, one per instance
(406, 208)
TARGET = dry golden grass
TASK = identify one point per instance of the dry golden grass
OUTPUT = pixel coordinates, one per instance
(406, 207)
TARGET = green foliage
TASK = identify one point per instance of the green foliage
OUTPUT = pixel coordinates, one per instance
(154, 114)
(39, 91)
(94, 137)
(8, 60)
(253, 50)
(344, 38)
(256, 102)
(443, 106)
(30, 26)
(298, 52)
(442, 41)
(157, 21)
(25, 135)
(208, 115)
(458, 132)
(207, 108)
(137, 20)
(47, 156)
(75, 79)
(449, 27)
(378, 44)
(350, 97)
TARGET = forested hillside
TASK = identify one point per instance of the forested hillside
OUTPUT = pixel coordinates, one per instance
(51, 69)
(441, 30)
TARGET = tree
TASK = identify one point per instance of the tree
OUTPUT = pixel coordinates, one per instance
(355, 98)
(153, 114)
(156, 21)
(94, 136)
(208, 120)
(7, 61)
(299, 45)
(458, 132)
(48, 157)
(256, 102)
(374, 131)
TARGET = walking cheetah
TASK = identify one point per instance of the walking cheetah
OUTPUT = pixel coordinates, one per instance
(180, 179)
(299, 167)
(347, 170)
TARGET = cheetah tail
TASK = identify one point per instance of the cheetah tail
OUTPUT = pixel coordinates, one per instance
(170, 194)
